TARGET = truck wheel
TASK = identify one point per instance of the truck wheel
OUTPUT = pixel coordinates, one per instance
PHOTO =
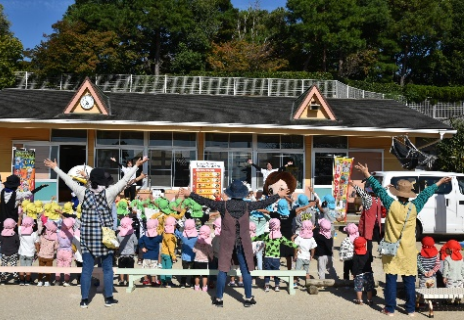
(418, 230)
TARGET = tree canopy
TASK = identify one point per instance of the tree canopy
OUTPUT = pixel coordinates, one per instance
(10, 52)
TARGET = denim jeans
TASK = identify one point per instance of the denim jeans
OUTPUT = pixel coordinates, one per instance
(222, 276)
(166, 262)
(88, 263)
(390, 292)
(271, 264)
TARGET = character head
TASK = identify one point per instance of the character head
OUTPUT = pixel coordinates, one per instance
(277, 181)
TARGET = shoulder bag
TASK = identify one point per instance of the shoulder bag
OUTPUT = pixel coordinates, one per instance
(390, 248)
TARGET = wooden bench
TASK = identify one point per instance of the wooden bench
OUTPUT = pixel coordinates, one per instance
(313, 285)
(429, 294)
(133, 274)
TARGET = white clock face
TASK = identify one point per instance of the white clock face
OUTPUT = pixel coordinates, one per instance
(87, 102)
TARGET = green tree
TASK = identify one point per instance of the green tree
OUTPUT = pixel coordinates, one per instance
(11, 52)
(451, 151)
(419, 26)
(325, 32)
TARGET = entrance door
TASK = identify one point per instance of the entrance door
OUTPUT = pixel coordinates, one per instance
(70, 156)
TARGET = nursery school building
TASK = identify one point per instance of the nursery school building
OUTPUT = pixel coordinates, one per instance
(92, 123)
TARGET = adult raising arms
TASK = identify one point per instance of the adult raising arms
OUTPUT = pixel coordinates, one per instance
(96, 212)
(235, 223)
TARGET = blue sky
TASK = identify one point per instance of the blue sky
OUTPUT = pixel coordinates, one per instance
(31, 19)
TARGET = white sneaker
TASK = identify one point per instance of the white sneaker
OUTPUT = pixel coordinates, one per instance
(40, 284)
(46, 284)
(66, 284)
(276, 289)
(266, 288)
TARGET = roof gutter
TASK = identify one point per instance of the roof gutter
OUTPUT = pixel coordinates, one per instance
(441, 132)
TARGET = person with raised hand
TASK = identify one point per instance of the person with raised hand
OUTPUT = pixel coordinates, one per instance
(96, 213)
(235, 217)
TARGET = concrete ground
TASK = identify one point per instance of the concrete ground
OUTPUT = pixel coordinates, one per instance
(59, 302)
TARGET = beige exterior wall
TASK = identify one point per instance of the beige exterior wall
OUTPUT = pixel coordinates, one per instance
(389, 160)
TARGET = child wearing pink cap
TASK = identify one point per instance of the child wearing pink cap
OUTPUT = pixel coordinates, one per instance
(324, 249)
(127, 245)
(347, 249)
(203, 255)
(149, 244)
(48, 244)
(28, 243)
(273, 241)
(64, 254)
(306, 248)
(189, 238)
(168, 249)
(9, 241)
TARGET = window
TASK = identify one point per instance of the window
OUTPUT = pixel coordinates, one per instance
(226, 140)
(170, 154)
(461, 184)
(64, 135)
(323, 167)
(270, 141)
(333, 142)
(235, 165)
(426, 181)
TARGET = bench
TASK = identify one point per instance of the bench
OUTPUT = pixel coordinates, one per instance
(429, 294)
(286, 275)
(133, 274)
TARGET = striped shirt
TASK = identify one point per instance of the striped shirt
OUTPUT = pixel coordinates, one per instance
(427, 264)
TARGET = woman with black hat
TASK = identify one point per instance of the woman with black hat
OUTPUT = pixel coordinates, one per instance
(10, 198)
(235, 237)
(96, 213)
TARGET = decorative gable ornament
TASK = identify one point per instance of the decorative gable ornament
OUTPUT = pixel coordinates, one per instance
(89, 99)
(312, 105)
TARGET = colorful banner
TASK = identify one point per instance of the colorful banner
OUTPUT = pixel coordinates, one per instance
(24, 168)
(341, 177)
(206, 177)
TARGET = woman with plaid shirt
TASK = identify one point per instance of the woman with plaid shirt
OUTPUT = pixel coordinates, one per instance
(96, 213)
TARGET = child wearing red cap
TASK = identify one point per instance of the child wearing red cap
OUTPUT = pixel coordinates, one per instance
(362, 271)
(453, 267)
(428, 263)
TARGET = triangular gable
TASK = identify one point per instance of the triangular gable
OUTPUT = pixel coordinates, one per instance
(89, 99)
(313, 106)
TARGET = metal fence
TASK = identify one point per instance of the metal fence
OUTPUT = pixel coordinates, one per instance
(197, 85)
(439, 110)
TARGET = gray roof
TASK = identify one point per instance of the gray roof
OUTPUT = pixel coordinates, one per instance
(214, 109)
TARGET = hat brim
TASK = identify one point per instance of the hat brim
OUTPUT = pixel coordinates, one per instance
(242, 193)
(402, 194)
(10, 185)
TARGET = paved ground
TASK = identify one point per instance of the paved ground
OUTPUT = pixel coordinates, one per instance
(149, 303)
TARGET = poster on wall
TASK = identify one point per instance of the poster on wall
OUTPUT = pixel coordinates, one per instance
(342, 175)
(206, 177)
(24, 168)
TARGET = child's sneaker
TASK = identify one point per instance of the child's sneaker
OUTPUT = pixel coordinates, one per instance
(146, 282)
(121, 283)
(27, 283)
(182, 286)
(205, 289)
(46, 284)
(266, 288)
(277, 289)
(240, 284)
(156, 283)
(21, 283)
(168, 285)
(40, 284)
(295, 285)
(66, 284)
(232, 284)
(197, 288)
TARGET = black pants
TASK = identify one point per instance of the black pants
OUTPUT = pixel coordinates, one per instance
(347, 266)
(186, 265)
(130, 192)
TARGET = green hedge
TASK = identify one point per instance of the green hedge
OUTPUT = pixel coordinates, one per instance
(411, 92)
(262, 74)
